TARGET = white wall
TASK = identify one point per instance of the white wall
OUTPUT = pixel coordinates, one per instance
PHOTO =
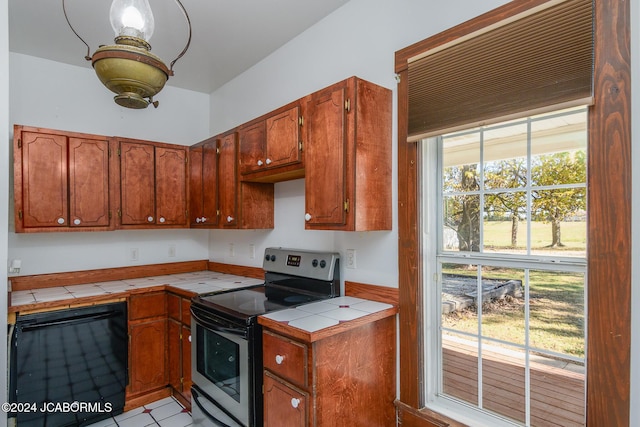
(58, 96)
(358, 39)
(4, 185)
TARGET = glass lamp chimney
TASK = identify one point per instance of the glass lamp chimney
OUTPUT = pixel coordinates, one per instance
(132, 18)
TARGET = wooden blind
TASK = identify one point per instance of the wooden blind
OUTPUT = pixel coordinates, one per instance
(528, 64)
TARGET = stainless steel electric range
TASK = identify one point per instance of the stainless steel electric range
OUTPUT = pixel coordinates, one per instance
(227, 349)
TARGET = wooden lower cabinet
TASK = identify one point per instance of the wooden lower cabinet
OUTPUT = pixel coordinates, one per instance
(343, 377)
(179, 342)
(159, 348)
(147, 349)
(284, 405)
(148, 360)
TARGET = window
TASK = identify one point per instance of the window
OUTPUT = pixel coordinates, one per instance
(507, 301)
(608, 223)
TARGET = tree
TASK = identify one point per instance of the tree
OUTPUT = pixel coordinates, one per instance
(504, 174)
(462, 212)
(555, 205)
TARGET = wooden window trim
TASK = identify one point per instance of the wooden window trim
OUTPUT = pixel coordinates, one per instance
(608, 223)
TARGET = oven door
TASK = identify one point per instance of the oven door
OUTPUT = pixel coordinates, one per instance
(220, 363)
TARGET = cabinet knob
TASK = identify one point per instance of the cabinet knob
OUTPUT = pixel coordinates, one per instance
(279, 359)
(60, 221)
(77, 221)
(268, 161)
(307, 216)
(149, 219)
(162, 219)
(229, 218)
(203, 219)
(189, 338)
(260, 162)
(198, 220)
(295, 402)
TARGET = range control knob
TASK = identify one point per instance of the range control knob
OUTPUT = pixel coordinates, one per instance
(314, 262)
(273, 258)
(266, 257)
(323, 264)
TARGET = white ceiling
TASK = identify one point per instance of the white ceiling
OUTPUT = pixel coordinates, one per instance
(229, 36)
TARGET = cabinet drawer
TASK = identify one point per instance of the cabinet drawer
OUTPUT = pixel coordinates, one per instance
(147, 305)
(286, 358)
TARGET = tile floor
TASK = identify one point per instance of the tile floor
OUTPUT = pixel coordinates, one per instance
(164, 413)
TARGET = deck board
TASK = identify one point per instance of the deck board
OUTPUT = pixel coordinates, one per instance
(557, 394)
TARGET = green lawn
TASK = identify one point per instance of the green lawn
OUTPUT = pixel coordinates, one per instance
(556, 320)
(497, 234)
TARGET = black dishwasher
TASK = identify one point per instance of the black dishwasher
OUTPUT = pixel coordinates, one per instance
(69, 367)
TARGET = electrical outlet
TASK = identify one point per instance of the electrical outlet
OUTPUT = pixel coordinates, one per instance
(172, 251)
(350, 262)
(232, 251)
(14, 266)
(134, 254)
(252, 251)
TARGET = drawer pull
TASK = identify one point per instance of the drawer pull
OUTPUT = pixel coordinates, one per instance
(295, 402)
(279, 359)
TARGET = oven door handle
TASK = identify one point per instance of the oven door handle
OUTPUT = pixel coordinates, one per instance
(206, 413)
(215, 327)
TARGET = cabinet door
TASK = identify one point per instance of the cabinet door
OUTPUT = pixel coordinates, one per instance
(137, 189)
(186, 359)
(44, 180)
(88, 183)
(210, 183)
(203, 184)
(174, 365)
(283, 138)
(227, 181)
(283, 405)
(148, 356)
(196, 187)
(325, 170)
(252, 147)
(171, 186)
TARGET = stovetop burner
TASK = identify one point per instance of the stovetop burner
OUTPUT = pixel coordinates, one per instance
(292, 277)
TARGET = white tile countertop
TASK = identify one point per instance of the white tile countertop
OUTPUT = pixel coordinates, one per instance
(197, 282)
(319, 315)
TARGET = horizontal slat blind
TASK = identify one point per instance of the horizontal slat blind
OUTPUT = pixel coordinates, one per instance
(530, 63)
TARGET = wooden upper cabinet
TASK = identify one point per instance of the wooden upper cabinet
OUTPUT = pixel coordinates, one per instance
(153, 184)
(348, 157)
(270, 146)
(252, 147)
(283, 138)
(203, 184)
(227, 180)
(137, 183)
(218, 198)
(61, 181)
(171, 186)
(326, 145)
(88, 183)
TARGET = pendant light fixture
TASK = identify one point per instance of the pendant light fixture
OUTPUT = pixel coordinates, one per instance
(128, 67)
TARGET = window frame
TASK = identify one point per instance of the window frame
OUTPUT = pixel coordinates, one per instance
(432, 195)
(608, 223)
